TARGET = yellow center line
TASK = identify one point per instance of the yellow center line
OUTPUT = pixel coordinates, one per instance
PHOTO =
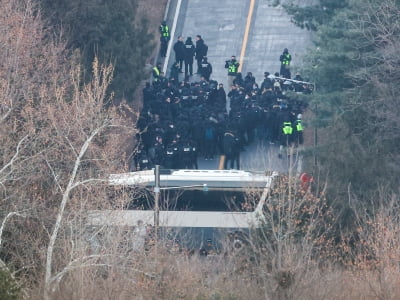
(246, 34)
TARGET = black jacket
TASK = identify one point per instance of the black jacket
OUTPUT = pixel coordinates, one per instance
(189, 50)
(179, 48)
(201, 49)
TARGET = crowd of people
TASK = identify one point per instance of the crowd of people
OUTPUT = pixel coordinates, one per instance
(183, 120)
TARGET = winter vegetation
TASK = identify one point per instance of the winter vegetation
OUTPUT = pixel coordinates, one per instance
(65, 124)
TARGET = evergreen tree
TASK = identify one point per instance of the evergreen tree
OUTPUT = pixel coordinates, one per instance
(354, 66)
(313, 16)
(9, 289)
(108, 30)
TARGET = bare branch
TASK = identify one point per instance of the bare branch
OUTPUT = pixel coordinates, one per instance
(54, 176)
(9, 215)
(15, 156)
(71, 185)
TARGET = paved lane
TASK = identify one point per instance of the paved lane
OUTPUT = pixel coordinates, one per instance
(271, 32)
(222, 25)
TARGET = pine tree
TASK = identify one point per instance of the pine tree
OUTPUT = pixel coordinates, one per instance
(354, 66)
(108, 30)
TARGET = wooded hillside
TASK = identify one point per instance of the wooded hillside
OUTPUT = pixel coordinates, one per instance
(112, 31)
(334, 238)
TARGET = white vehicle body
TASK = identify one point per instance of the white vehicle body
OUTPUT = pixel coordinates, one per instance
(200, 180)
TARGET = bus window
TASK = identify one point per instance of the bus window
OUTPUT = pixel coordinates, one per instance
(196, 200)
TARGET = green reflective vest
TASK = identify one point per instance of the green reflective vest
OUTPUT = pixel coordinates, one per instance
(299, 126)
(286, 59)
(164, 29)
(156, 73)
(287, 128)
(233, 67)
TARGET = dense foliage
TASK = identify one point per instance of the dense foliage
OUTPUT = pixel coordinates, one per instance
(9, 289)
(311, 17)
(109, 30)
(355, 66)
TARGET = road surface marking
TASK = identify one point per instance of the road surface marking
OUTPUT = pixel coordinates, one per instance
(246, 34)
(171, 41)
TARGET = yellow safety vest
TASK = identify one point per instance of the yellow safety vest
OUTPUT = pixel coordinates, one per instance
(157, 73)
(286, 59)
(164, 30)
(232, 67)
(299, 126)
(287, 128)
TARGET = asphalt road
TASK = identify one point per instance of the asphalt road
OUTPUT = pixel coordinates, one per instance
(223, 25)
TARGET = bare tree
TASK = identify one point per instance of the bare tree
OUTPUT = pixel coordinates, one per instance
(58, 139)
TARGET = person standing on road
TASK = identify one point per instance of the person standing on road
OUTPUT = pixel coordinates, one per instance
(164, 38)
(179, 49)
(201, 51)
(298, 130)
(233, 66)
(156, 72)
(231, 149)
(286, 135)
(285, 60)
(189, 54)
(206, 69)
(174, 73)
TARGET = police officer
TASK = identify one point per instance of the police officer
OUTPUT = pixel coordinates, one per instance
(164, 38)
(189, 56)
(156, 73)
(231, 147)
(298, 130)
(156, 152)
(286, 136)
(285, 60)
(142, 160)
(179, 49)
(233, 66)
(201, 52)
(174, 73)
(267, 82)
(206, 68)
(185, 155)
(172, 155)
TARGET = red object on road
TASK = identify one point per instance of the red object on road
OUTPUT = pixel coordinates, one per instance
(306, 180)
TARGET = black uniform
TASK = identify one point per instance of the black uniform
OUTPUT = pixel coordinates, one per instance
(201, 51)
(206, 69)
(164, 38)
(189, 54)
(179, 48)
(172, 156)
(174, 75)
(285, 60)
(231, 146)
(188, 155)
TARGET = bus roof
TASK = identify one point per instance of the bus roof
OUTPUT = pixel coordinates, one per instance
(214, 179)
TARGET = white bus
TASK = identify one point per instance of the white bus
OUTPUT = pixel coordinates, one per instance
(197, 205)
